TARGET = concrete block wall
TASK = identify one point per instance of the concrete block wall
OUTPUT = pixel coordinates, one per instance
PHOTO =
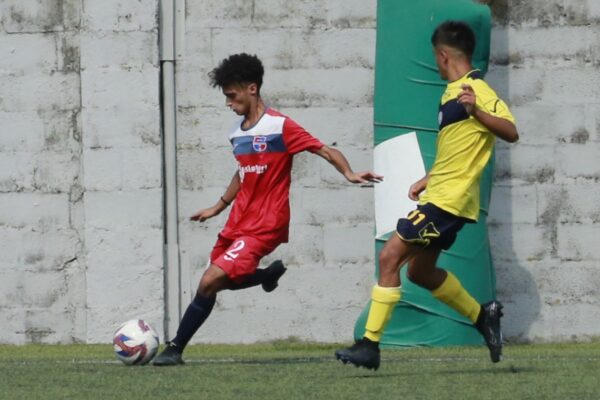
(122, 164)
(43, 277)
(80, 166)
(319, 69)
(80, 176)
(544, 213)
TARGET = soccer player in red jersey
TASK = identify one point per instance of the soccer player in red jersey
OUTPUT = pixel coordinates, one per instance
(264, 144)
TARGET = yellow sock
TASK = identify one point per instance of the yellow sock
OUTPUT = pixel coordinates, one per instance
(383, 300)
(452, 293)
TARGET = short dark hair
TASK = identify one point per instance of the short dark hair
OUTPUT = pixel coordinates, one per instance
(456, 34)
(238, 69)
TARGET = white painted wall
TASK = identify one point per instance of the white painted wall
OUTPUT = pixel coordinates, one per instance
(80, 169)
(80, 165)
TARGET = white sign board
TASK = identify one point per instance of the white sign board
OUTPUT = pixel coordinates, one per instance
(400, 162)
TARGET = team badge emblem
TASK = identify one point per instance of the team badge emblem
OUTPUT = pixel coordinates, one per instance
(259, 143)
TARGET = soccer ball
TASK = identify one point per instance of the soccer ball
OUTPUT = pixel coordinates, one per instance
(135, 342)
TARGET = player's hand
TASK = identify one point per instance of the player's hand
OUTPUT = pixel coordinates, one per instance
(364, 177)
(467, 98)
(204, 214)
(416, 188)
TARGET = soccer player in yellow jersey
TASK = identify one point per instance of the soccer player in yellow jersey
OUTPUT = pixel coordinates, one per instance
(471, 116)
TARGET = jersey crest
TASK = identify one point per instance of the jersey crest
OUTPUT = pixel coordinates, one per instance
(259, 143)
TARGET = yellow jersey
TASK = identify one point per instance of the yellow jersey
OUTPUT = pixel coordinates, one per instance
(464, 146)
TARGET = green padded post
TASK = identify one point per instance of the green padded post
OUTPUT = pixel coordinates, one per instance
(407, 95)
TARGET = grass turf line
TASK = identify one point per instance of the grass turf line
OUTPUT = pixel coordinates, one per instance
(303, 371)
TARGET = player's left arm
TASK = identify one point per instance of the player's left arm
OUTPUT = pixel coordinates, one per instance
(339, 161)
(501, 127)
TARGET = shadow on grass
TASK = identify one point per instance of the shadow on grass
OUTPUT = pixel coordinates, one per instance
(374, 375)
(511, 369)
(495, 371)
(262, 361)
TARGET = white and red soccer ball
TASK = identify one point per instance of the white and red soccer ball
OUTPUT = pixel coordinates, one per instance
(135, 342)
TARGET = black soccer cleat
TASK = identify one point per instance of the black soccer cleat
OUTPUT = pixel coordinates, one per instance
(488, 324)
(363, 353)
(171, 355)
(275, 270)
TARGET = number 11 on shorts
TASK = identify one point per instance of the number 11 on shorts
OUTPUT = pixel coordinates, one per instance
(417, 215)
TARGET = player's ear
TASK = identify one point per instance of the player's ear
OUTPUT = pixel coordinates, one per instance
(444, 55)
(253, 88)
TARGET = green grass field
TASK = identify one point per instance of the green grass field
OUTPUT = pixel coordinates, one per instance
(303, 371)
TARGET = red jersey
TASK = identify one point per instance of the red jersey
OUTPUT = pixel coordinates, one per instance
(264, 153)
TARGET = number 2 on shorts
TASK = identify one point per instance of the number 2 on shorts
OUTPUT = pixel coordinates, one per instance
(234, 252)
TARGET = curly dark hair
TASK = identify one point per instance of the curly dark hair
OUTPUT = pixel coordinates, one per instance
(238, 69)
(456, 34)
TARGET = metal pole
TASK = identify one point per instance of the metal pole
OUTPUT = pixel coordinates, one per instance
(169, 114)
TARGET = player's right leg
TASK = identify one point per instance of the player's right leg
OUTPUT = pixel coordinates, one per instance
(267, 277)
(240, 259)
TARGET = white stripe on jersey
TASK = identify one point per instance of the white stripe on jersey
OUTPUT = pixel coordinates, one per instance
(266, 125)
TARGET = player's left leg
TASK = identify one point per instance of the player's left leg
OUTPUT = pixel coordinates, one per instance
(384, 296)
(213, 280)
(231, 262)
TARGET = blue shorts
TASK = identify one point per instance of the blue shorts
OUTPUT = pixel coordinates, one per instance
(430, 226)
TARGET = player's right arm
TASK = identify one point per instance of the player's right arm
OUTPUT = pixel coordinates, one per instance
(339, 161)
(418, 187)
(223, 202)
(499, 124)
